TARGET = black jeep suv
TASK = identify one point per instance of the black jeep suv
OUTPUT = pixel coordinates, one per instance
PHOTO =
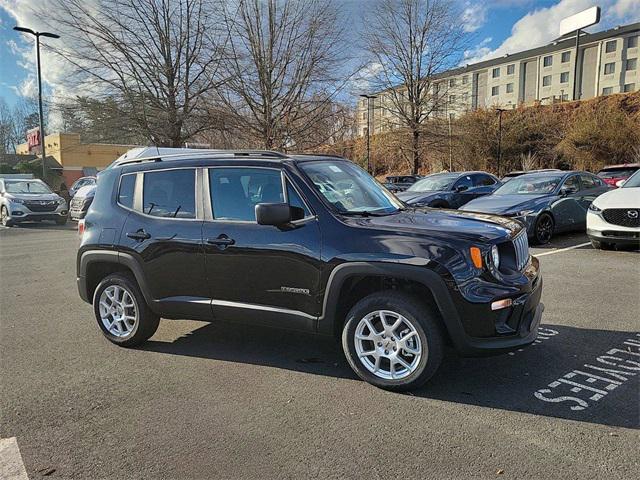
(269, 239)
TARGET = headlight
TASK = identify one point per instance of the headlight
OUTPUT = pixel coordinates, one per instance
(16, 200)
(61, 201)
(524, 213)
(594, 209)
(495, 256)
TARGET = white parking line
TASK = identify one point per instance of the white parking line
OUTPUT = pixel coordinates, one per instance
(11, 466)
(559, 250)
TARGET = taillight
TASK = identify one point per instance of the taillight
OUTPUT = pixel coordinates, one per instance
(81, 227)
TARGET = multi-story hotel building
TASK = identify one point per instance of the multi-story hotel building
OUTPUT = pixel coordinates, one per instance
(607, 63)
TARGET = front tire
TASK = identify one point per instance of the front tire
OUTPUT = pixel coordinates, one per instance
(543, 229)
(4, 215)
(122, 312)
(393, 341)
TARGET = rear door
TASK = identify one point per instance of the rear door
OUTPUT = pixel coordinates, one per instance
(262, 273)
(460, 198)
(163, 232)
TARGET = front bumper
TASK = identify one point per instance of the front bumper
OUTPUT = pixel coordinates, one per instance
(476, 330)
(601, 230)
(21, 213)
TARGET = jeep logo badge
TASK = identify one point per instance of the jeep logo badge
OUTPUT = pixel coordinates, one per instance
(632, 213)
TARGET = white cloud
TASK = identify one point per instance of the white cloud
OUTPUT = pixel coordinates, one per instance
(540, 26)
(474, 16)
(480, 50)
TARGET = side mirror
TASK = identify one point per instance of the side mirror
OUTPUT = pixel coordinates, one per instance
(620, 183)
(461, 188)
(275, 214)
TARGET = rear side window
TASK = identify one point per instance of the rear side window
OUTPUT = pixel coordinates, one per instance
(127, 187)
(169, 193)
(483, 180)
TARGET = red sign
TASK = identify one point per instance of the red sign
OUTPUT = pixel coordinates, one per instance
(33, 138)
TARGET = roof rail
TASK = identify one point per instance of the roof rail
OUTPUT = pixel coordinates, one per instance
(330, 155)
(175, 154)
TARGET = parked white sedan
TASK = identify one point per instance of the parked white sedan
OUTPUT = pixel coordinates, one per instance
(614, 217)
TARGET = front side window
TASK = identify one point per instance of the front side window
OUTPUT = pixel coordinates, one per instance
(235, 192)
(169, 193)
(572, 183)
(127, 188)
(348, 188)
(465, 182)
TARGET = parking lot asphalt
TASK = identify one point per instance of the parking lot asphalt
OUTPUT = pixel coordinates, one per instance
(222, 401)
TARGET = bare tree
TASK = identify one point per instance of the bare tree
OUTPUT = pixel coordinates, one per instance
(410, 43)
(159, 57)
(283, 70)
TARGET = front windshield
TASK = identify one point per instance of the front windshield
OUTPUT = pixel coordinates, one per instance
(25, 186)
(438, 181)
(633, 181)
(530, 185)
(349, 188)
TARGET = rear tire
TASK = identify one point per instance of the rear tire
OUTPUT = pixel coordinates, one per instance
(417, 341)
(122, 312)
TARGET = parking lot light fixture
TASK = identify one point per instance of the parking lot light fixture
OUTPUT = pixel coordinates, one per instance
(38, 35)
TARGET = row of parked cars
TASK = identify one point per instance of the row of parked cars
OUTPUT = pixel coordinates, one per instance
(546, 201)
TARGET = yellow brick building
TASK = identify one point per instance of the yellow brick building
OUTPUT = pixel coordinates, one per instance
(76, 158)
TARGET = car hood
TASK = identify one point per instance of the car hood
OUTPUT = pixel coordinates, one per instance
(442, 222)
(501, 204)
(409, 197)
(34, 196)
(620, 198)
(86, 191)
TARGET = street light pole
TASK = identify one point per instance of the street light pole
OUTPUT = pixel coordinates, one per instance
(499, 110)
(40, 112)
(576, 88)
(370, 112)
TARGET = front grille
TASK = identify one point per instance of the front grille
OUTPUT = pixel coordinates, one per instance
(521, 247)
(41, 205)
(76, 203)
(612, 233)
(625, 217)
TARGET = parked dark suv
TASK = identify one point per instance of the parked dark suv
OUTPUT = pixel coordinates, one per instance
(269, 239)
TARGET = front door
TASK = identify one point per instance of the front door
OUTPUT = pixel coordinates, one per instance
(164, 233)
(567, 210)
(260, 273)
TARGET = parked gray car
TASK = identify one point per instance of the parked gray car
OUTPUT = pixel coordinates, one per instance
(28, 200)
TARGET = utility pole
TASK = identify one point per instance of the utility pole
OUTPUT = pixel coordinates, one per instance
(40, 113)
(370, 112)
(500, 110)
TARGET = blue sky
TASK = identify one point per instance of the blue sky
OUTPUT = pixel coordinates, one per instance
(495, 27)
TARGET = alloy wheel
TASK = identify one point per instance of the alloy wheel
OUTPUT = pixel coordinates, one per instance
(118, 311)
(388, 345)
(544, 229)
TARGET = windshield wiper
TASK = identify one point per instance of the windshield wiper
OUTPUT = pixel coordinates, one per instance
(367, 213)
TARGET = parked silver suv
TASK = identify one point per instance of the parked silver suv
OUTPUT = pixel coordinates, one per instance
(28, 200)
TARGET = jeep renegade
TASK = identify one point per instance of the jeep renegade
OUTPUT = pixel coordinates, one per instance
(304, 242)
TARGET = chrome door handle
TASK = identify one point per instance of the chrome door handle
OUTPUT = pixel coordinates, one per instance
(140, 235)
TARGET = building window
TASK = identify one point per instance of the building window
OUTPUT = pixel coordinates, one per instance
(566, 56)
(495, 91)
(547, 61)
(465, 79)
(632, 64)
(511, 69)
(564, 77)
(452, 82)
(629, 87)
(509, 87)
(452, 99)
(610, 46)
(546, 80)
(496, 72)
(465, 97)
(632, 42)
(607, 90)
(609, 68)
